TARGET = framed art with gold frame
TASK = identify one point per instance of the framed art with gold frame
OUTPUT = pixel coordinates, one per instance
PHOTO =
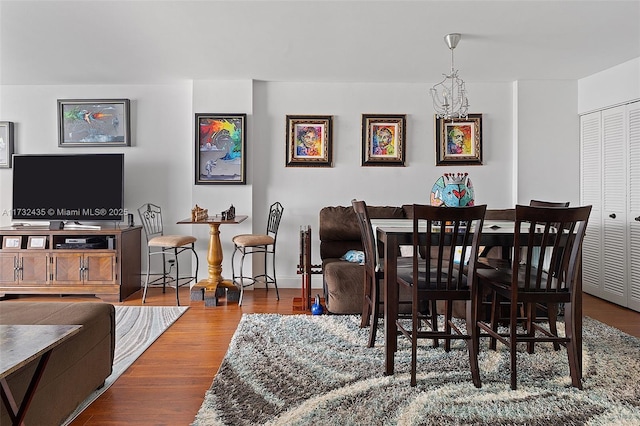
(459, 140)
(309, 141)
(383, 139)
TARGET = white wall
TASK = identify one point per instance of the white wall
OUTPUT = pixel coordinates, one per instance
(159, 164)
(304, 191)
(610, 87)
(547, 140)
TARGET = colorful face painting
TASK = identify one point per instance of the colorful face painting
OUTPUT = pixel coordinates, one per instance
(459, 139)
(309, 141)
(383, 141)
(452, 190)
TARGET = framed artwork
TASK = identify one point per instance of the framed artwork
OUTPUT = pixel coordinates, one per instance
(12, 242)
(383, 139)
(220, 149)
(309, 141)
(6, 144)
(459, 140)
(37, 242)
(93, 122)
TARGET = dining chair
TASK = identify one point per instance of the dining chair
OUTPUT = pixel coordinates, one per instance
(445, 236)
(164, 245)
(265, 244)
(374, 275)
(529, 281)
(552, 309)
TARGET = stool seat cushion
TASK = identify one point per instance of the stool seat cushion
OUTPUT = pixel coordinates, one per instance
(251, 240)
(171, 241)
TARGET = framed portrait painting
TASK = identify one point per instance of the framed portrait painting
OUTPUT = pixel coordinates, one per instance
(459, 140)
(220, 149)
(383, 139)
(93, 122)
(6, 144)
(309, 141)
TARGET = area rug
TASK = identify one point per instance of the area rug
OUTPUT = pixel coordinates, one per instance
(303, 370)
(137, 327)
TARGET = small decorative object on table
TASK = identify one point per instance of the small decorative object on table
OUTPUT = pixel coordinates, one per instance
(198, 214)
(453, 190)
(229, 214)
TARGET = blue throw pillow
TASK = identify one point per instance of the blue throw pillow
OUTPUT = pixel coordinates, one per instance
(355, 256)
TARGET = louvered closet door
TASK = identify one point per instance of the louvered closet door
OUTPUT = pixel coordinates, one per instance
(615, 155)
(633, 216)
(591, 194)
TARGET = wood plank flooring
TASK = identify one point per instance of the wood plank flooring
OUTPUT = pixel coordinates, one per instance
(166, 385)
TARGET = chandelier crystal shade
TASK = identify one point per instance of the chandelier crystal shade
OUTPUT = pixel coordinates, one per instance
(450, 95)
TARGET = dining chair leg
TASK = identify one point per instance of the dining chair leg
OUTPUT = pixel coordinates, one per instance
(414, 347)
(434, 320)
(473, 343)
(513, 329)
(146, 281)
(447, 324)
(529, 319)
(495, 317)
(175, 256)
(273, 260)
(552, 315)
(366, 303)
(375, 315)
(572, 349)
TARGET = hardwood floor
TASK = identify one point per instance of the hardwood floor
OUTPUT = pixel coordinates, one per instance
(166, 385)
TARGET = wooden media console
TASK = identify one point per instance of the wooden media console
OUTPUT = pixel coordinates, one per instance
(102, 262)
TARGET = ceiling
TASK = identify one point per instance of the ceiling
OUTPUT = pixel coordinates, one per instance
(149, 42)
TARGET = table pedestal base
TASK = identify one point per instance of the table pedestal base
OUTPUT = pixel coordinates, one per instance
(210, 293)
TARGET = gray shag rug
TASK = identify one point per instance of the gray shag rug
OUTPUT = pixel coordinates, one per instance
(303, 370)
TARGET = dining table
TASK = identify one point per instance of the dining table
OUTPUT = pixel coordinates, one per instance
(392, 234)
(214, 281)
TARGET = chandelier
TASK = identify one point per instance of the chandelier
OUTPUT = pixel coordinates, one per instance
(450, 95)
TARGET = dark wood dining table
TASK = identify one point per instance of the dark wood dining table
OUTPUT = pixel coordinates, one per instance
(393, 233)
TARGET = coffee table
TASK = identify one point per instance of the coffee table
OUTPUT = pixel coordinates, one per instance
(21, 344)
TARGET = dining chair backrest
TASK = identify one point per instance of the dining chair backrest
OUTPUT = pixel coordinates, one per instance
(446, 248)
(558, 231)
(368, 240)
(151, 218)
(273, 221)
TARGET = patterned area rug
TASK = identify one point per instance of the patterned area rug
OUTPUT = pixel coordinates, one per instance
(302, 370)
(137, 327)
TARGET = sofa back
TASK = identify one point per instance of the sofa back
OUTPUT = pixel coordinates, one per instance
(339, 231)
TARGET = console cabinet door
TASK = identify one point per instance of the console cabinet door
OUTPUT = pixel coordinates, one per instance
(100, 268)
(33, 268)
(84, 268)
(8, 268)
(68, 268)
(20, 268)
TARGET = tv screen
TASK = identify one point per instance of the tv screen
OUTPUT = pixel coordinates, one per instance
(87, 187)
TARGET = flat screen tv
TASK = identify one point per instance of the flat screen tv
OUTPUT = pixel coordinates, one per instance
(76, 187)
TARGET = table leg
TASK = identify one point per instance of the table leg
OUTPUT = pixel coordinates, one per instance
(17, 414)
(214, 260)
(390, 302)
